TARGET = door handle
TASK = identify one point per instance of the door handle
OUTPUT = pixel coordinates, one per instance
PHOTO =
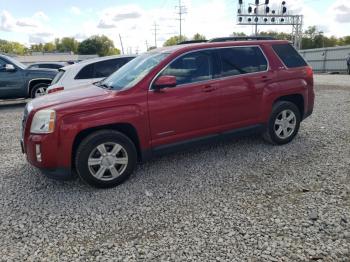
(265, 79)
(208, 89)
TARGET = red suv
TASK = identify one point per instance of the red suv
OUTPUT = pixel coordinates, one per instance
(169, 98)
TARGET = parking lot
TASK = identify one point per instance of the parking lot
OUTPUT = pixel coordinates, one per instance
(235, 201)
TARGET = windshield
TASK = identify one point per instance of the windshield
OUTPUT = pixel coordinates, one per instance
(58, 76)
(134, 71)
(15, 62)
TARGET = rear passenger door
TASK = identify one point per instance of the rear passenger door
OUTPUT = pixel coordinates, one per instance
(243, 77)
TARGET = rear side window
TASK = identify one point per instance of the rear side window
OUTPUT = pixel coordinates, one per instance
(106, 68)
(191, 68)
(241, 60)
(289, 56)
(87, 72)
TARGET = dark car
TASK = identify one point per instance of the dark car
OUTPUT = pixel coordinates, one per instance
(167, 99)
(16, 81)
(48, 65)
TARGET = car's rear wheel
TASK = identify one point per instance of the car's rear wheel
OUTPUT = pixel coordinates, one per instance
(106, 159)
(284, 123)
(38, 90)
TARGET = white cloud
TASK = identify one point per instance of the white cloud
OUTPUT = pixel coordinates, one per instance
(41, 16)
(75, 10)
(341, 11)
(27, 22)
(8, 22)
(104, 24)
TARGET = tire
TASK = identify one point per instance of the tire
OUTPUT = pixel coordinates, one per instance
(98, 165)
(348, 69)
(38, 90)
(283, 124)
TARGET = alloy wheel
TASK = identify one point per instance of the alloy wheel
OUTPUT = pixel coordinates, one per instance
(108, 161)
(285, 124)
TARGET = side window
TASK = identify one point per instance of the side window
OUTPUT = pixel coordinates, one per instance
(2, 63)
(86, 72)
(241, 60)
(289, 55)
(191, 68)
(106, 68)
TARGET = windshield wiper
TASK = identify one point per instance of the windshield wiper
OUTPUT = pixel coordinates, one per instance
(105, 86)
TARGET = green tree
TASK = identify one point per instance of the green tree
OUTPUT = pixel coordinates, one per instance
(49, 47)
(68, 44)
(175, 40)
(199, 37)
(238, 34)
(12, 47)
(100, 45)
(277, 35)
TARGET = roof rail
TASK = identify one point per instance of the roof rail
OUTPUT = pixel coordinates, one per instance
(192, 42)
(240, 38)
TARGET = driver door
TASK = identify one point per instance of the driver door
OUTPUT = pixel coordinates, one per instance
(11, 81)
(190, 109)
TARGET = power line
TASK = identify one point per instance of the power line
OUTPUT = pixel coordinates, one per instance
(181, 11)
(155, 31)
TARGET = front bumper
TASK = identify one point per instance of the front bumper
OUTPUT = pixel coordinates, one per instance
(48, 161)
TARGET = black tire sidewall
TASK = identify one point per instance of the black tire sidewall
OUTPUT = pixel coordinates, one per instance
(90, 143)
(32, 92)
(277, 109)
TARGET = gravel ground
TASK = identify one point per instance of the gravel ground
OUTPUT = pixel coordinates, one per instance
(243, 200)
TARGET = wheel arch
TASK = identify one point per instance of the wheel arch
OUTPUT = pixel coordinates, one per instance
(35, 81)
(125, 128)
(296, 99)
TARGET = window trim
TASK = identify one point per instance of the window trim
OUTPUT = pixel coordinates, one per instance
(213, 79)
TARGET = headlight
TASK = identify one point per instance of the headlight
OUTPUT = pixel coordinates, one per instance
(43, 122)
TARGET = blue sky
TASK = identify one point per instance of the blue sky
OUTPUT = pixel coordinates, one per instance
(33, 21)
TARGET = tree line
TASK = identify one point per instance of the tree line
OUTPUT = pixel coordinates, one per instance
(100, 45)
(312, 38)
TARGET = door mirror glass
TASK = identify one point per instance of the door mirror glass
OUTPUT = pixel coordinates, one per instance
(164, 81)
(9, 68)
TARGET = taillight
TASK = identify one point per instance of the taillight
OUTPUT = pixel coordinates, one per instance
(309, 72)
(57, 89)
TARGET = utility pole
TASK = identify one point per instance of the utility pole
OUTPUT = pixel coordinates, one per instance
(181, 11)
(121, 43)
(155, 31)
(146, 45)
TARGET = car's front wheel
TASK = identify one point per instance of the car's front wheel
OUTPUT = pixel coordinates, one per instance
(105, 158)
(284, 123)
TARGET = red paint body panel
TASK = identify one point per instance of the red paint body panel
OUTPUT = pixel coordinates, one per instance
(169, 115)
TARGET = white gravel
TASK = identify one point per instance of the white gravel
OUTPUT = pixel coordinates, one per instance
(333, 80)
(242, 200)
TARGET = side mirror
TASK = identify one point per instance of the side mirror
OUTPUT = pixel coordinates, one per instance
(9, 68)
(164, 81)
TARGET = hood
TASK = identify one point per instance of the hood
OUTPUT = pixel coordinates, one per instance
(60, 98)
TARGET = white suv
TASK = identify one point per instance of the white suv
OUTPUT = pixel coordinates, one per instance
(87, 72)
